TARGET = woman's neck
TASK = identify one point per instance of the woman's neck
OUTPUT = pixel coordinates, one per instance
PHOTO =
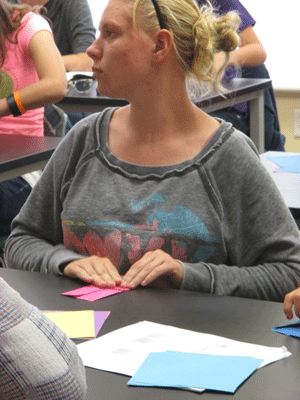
(163, 110)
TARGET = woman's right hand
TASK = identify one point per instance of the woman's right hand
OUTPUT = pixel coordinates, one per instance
(96, 270)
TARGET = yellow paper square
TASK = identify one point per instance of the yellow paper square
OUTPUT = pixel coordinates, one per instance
(76, 324)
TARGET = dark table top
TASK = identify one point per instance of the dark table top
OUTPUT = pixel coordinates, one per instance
(234, 318)
(18, 150)
(235, 88)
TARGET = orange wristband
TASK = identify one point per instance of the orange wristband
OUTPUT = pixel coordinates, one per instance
(19, 103)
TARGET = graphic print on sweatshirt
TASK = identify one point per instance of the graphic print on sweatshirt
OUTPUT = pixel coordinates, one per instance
(174, 229)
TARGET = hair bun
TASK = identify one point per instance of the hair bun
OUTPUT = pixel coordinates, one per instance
(226, 37)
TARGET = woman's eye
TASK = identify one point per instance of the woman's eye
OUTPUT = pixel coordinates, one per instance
(109, 34)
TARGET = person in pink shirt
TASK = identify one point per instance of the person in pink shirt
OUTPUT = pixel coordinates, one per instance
(31, 68)
(32, 75)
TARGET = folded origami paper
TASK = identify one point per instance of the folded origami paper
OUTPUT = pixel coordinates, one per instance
(292, 329)
(92, 293)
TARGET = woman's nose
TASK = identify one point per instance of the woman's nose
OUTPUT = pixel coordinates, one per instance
(95, 50)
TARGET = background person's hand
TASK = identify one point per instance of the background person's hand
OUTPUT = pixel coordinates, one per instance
(290, 300)
(150, 268)
(96, 270)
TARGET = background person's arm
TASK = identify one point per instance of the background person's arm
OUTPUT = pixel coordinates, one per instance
(81, 33)
(52, 83)
(77, 62)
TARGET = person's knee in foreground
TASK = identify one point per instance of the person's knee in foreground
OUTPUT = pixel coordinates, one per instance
(159, 192)
(37, 359)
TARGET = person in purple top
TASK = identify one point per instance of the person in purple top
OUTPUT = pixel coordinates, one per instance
(250, 58)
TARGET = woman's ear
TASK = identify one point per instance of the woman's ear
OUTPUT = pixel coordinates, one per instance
(164, 44)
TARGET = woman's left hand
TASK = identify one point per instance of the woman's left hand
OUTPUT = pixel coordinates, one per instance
(152, 266)
(290, 300)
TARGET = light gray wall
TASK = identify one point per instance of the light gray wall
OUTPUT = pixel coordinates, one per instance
(277, 26)
(97, 8)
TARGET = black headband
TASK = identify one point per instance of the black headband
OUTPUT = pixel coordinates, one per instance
(159, 15)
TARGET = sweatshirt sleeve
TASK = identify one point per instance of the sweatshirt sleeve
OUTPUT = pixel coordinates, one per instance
(260, 234)
(36, 241)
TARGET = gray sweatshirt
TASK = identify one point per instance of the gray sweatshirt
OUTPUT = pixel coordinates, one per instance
(219, 213)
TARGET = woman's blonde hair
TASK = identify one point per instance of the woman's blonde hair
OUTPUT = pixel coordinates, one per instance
(198, 34)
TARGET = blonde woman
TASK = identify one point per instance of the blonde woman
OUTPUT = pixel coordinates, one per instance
(158, 192)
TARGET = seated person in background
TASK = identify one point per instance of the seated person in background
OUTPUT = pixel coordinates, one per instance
(32, 75)
(37, 359)
(290, 300)
(74, 32)
(159, 193)
(249, 57)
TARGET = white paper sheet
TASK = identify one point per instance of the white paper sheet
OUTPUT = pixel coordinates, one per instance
(123, 351)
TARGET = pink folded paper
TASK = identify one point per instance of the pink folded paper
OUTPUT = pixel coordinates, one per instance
(92, 293)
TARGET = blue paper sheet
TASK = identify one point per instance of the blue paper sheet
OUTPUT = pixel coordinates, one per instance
(191, 370)
(291, 329)
(287, 163)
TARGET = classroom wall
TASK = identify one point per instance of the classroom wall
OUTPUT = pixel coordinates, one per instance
(277, 26)
(97, 8)
(287, 103)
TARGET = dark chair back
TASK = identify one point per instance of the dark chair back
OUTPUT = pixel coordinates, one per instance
(55, 121)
